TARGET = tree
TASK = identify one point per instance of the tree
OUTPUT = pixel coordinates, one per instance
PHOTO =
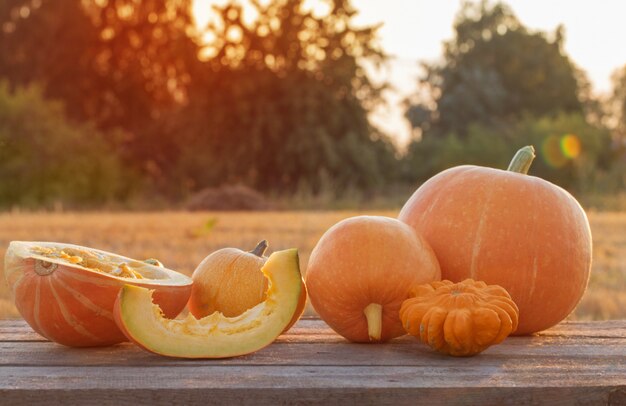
(570, 152)
(618, 103)
(52, 43)
(44, 158)
(494, 71)
(115, 63)
(284, 100)
(278, 102)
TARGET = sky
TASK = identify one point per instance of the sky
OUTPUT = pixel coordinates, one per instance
(413, 31)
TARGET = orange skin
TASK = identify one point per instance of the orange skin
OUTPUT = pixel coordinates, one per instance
(509, 229)
(364, 260)
(74, 307)
(230, 281)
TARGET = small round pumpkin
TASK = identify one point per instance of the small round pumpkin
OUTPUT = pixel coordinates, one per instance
(509, 229)
(360, 272)
(230, 281)
(459, 319)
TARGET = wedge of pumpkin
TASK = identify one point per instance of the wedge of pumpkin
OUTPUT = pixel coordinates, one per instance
(214, 336)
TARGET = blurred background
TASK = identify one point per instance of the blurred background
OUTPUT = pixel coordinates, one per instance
(144, 104)
(294, 106)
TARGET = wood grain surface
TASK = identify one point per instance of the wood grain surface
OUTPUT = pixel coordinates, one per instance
(575, 363)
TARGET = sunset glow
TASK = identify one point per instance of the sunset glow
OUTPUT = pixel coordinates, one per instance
(414, 30)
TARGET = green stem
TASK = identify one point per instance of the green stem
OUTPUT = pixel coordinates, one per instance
(259, 250)
(522, 160)
(374, 315)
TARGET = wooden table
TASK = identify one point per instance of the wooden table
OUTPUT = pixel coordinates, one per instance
(574, 363)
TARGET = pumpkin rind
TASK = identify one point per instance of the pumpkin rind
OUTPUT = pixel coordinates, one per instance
(360, 272)
(73, 306)
(459, 319)
(509, 229)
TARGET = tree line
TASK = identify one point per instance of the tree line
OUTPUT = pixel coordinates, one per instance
(115, 100)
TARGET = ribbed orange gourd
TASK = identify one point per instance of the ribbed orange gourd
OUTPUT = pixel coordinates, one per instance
(360, 272)
(510, 229)
(459, 319)
(67, 292)
(230, 281)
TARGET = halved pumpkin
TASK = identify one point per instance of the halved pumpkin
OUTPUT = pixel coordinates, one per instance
(214, 336)
(66, 292)
(230, 281)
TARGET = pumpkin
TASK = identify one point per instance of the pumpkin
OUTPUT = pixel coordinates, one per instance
(510, 229)
(66, 292)
(360, 272)
(459, 319)
(215, 336)
(230, 281)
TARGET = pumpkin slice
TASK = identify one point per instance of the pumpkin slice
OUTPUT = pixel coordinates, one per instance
(67, 292)
(214, 336)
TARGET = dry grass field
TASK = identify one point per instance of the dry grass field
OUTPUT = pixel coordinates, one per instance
(181, 240)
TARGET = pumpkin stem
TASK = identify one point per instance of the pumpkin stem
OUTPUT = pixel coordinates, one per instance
(153, 261)
(374, 315)
(522, 160)
(259, 250)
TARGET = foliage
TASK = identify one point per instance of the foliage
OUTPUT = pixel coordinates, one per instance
(618, 104)
(495, 70)
(45, 160)
(118, 64)
(556, 139)
(284, 102)
(278, 102)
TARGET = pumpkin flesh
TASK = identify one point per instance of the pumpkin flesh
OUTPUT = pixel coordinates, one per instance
(214, 336)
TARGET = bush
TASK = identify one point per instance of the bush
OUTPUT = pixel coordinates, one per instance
(46, 160)
(570, 152)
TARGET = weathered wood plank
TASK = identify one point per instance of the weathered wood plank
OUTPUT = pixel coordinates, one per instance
(521, 350)
(450, 396)
(611, 328)
(317, 330)
(269, 385)
(574, 363)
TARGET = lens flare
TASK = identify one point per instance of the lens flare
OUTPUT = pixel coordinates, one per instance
(570, 146)
(551, 152)
(557, 150)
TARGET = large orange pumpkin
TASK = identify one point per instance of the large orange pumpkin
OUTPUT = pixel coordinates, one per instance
(361, 271)
(509, 229)
(67, 293)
